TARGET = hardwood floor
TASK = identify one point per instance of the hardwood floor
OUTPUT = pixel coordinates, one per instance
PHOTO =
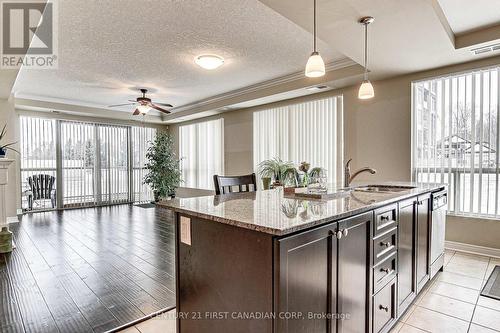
(86, 270)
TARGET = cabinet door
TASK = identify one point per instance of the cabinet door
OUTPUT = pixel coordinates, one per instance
(354, 271)
(423, 222)
(307, 281)
(407, 289)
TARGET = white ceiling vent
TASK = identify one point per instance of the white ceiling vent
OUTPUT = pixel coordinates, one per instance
(488, 48)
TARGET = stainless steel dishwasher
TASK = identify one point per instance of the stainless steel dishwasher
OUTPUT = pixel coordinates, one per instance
(437, 230)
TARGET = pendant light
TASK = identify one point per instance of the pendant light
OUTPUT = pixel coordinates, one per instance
(366, 89)
(315, 66)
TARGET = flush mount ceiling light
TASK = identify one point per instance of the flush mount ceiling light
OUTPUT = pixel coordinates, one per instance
(315, 66)
(366, 89)
(209, 61)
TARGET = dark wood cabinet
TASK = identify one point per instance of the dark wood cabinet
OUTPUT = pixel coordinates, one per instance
(407, 289)
(326, 271)
(423, 244)
(307, 281)
(354, 269)
(358, 274)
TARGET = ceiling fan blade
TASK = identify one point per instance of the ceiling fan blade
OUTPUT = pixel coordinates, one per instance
(165, 104)
(136, 112)
(112, 106)
(156, 107)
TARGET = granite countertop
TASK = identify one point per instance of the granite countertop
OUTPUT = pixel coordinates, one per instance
(276, 213)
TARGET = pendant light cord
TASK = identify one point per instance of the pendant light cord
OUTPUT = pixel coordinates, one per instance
(314, 28)
(366, 51)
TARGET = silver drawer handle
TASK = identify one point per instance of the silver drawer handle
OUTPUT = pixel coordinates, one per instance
(345, 232)
(385, 308)
(384, 218)
(339, 234)
(386, 244)
(386, 270)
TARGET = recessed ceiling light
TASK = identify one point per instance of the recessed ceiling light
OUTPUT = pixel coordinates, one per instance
(209, 61)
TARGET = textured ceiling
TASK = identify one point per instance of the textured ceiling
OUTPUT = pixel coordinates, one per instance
(108, 49)
(467, 15)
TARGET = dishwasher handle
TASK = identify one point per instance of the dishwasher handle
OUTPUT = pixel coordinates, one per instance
(439, 199)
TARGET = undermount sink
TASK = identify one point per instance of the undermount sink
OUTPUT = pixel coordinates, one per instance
(384, 188)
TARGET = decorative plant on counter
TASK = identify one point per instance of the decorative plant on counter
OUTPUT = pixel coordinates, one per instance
(285, 173)
(302, 176)
(276, 169)
(6, 146)
(164, 174)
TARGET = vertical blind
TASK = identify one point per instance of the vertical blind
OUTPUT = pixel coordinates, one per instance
(78, 162)
(456, 139)
(310, 131)
(142, 138)
(201, 149)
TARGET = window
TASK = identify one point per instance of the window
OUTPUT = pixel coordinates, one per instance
(456, 139)
(93, 164)
(201, 149)
(310, 131)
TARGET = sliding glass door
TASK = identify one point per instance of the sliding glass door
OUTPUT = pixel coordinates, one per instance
(91, 164)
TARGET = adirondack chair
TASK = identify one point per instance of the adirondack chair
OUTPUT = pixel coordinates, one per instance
(41, 187)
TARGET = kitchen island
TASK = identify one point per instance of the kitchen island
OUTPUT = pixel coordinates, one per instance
(268, 262)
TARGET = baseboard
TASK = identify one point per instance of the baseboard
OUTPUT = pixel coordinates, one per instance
(474, 249)
(12, 219)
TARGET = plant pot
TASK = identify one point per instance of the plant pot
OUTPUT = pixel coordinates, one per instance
(266, 183)
(3, 152)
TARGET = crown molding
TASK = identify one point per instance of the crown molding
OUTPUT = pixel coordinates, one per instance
(331, 66)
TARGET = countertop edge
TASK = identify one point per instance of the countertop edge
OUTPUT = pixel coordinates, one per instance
(304, 226)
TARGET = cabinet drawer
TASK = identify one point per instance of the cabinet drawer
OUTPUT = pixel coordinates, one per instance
(384, 271)
(384, 245)
(386, 218)
(384, 307)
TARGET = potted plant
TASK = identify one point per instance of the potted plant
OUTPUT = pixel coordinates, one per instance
(275, 169)
(6, 146)
(164, 174)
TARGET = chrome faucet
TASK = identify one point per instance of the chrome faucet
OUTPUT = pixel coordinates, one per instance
(348, 178)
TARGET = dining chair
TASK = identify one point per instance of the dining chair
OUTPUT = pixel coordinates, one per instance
(227, 184)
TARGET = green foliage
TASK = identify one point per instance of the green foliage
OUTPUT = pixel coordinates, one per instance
(164, 174)
(286, 173)
(275, 168)
(6, 146)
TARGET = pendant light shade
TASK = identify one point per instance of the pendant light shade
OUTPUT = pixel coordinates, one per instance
(315, 66)
(366, 90)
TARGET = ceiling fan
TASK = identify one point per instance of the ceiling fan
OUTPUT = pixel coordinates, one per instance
(144, 104)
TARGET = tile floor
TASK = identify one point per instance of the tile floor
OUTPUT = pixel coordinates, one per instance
(449, 303)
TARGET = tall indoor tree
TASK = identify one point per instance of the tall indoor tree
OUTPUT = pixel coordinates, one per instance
(164, 174)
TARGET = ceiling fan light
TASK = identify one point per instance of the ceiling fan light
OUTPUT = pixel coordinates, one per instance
(209, 61)
(315, 66)
(143, 109)
(366, 90)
